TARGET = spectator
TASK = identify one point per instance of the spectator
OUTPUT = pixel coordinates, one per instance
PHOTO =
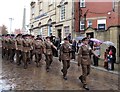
(78, 45)
(69, 37)
(112, 56)
(96, 49)
(105, 59)
(73, 49)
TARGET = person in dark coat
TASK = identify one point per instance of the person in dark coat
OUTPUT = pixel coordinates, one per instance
(73, 49)
(78, 45)
(113, 50)
(57, 44)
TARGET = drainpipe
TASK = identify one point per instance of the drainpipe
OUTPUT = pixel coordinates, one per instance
(73, 29)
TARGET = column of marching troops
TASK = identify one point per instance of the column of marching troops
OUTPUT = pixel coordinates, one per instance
(25, 46)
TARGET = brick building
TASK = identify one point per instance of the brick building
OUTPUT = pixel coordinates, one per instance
(100, 19)
(96, 14)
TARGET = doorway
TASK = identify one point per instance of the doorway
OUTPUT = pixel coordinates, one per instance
(91, 34)
(59, 34)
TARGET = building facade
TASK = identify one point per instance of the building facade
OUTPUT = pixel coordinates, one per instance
(51, 17)
(99, 19)
(96, 14)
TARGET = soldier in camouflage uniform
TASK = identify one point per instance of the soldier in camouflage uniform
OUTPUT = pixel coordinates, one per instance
(85, 61)
(18, 45)
(26, 50)
(38, 48)
(31, 51)
(7, 46)
(12, 47)
(65, 56)
(3, 46)
(48, 52)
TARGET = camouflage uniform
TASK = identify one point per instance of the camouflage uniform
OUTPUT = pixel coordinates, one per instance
(3, 46)
(19, 50)
(7, 45)
(38, 50)
(48, 53)
(85, 61)
(12, 49)
(65, 56)
(26, 51)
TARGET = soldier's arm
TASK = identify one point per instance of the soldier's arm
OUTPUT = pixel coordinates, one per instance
(53, 46)
(79, 56)
(61, 52)
(33, 45)
(16, 45)
(92, 51)
(44, 45)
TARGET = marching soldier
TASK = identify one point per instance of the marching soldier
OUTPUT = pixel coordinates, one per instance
(18, 45)
(31, 50)
(38, 48)
(26, 50)
(3, 46)
(65, 56)
(12, 47)
(48, 52)
(7, 46)
(85, 61)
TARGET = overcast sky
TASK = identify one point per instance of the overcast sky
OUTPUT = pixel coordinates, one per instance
(14, 9)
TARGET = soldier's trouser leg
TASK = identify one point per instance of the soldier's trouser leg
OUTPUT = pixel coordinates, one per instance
(7, 54)
(85, 73)
(51, 59)
(48, 61)
(12, 54)
(18, 57)
(25, 59)
(31, 55)
(3, 52)
(38, 57)
(66, 65)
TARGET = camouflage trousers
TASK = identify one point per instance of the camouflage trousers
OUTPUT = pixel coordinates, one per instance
(66, 65)
(49, 59)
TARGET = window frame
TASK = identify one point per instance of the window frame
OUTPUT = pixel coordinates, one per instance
(82, 2)
(82, 24)
(62, 12)
(51, 2)
(101, 21)
(66, 30)
(88, 23)
(33, 10)
(40, 6)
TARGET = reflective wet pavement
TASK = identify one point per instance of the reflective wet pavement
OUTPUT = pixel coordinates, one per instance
(13, 77)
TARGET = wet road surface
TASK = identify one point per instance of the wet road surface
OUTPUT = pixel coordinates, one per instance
(13, 77)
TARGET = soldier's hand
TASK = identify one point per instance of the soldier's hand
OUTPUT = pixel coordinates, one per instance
(78, 64)
(59, 59)
(16, 48)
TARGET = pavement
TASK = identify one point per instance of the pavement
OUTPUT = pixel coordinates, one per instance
(101, 68)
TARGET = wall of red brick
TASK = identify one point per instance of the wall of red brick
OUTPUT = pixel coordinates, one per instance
(97, 9)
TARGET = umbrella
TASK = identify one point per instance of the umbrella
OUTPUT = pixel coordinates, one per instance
(109, 43)
(95, 40)
(79, 38)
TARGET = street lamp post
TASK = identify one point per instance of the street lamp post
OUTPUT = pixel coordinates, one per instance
(11, 19)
